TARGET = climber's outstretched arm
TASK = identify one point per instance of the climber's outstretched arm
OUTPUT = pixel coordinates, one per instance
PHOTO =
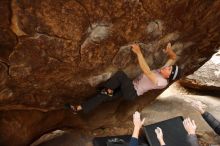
(143, 64)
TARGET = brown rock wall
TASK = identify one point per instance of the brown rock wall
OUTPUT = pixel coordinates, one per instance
(56, 51)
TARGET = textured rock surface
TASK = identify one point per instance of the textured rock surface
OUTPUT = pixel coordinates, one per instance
(175, 101)
(206, 77)
(53, 52)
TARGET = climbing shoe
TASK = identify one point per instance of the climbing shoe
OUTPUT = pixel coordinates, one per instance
(105, 91)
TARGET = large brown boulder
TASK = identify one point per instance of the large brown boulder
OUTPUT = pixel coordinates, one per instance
(207, 77)
(57, 51)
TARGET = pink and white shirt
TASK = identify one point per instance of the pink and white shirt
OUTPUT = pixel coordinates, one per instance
(143, 84)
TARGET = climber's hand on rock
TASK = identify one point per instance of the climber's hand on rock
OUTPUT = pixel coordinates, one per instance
(136, 49)
(168, 48)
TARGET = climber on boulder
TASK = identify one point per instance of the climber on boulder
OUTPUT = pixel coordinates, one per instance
(119, 85)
